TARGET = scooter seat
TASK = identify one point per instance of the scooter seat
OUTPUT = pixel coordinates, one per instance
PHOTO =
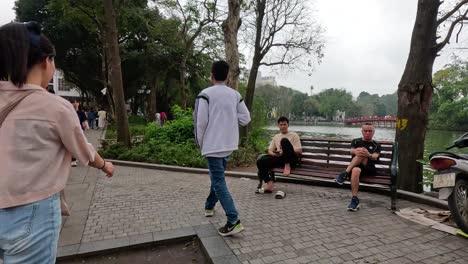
(450, 155)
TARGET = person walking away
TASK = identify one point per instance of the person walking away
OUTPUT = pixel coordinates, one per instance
(102, 118)
(91, 118)
(39, 133)
(80, 113)
(163, 118)
(157, 119)
(217, 114)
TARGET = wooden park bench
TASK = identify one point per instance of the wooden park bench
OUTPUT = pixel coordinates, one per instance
(325, 158)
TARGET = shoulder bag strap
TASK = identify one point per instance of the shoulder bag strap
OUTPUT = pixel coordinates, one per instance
(4, 113)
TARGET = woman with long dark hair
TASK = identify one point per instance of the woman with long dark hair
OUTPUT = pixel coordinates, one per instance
(39, 133)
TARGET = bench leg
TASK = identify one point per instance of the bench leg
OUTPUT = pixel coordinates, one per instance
(393, 197)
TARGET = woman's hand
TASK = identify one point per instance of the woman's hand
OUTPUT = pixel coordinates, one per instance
(108, 169)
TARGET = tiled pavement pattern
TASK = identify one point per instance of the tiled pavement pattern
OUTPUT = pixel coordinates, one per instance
(311, 225)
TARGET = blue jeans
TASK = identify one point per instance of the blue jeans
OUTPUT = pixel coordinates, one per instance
(219, 190)
(29, 233)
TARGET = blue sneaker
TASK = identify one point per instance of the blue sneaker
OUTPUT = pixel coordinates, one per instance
(354, 204)
(341, 177)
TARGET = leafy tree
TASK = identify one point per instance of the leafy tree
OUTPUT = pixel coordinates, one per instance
(297, 104)
(333, 99)
(390, 101)
(448, 110)
(196, 33)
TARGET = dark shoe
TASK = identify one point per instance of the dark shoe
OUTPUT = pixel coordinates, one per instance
(354, 205)
(341, 177)
(230, 229)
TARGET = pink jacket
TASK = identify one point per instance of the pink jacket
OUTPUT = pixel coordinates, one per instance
(37, 141)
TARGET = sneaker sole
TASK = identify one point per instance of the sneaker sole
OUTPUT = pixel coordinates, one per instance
(235, 231)
(340, 183)
(355, 209)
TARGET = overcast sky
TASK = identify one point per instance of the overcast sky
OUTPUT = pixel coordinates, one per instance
(367, 45)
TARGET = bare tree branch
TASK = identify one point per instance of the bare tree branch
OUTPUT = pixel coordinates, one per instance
(451, 12)
(460, 19)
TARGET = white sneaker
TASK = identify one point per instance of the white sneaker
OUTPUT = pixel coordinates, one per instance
(74, 163)
(209, 213)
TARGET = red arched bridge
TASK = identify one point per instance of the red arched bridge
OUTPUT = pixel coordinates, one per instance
(386, 121)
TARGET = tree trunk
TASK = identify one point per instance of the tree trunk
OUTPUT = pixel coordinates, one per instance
(249, 96)
(414, 96)
(257, 59)
(183, 89)
(121, 120)
(152, 107)
(230, 28)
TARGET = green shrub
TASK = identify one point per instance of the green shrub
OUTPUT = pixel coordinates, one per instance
(113, 151)
(182, 154)
(177, 131)
(140, 152)
(137, 120)
(174, 143)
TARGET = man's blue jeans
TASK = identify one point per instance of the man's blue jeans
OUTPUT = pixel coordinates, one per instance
(29, 233)
(219, 190)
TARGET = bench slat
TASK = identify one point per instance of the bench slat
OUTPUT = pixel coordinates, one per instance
(334, 170)
(380, 179)
(339, 152)
(340, 140)
(337, 146)
(340, 167)
(308, 155)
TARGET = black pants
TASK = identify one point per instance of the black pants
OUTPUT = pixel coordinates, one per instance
(266, 162)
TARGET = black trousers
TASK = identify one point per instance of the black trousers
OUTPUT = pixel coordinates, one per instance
(266, 163)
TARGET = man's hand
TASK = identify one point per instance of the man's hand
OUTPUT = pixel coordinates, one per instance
(362, 152)
(275, 153)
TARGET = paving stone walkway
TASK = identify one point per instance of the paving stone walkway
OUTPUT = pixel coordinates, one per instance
(310, 225)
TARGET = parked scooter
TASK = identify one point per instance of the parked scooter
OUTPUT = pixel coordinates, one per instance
(451, 179)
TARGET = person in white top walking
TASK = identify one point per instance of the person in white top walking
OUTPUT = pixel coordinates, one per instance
(102, 118)
(217, 114)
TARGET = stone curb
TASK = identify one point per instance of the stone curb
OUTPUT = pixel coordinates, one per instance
(413, 197)
(214, 245)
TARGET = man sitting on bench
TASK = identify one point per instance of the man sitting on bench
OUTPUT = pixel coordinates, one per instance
(282, 152)
(365, 151)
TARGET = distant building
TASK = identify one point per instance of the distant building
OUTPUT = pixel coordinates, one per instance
(63, 88)
(339, 116)
(266, 80)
